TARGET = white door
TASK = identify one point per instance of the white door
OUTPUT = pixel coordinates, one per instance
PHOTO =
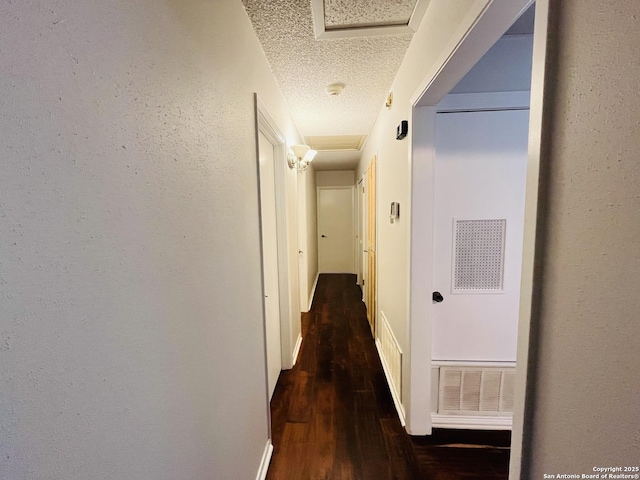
(480, 170)
(303, 268)
(270, 261)
(335, 230)
(362, 230)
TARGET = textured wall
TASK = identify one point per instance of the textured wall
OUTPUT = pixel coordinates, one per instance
(587, 383)
(131, 338)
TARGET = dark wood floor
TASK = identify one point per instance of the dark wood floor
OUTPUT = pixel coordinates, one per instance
(333, 417)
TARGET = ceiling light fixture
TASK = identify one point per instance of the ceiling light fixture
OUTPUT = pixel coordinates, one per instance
(300, 156)
(335, 89)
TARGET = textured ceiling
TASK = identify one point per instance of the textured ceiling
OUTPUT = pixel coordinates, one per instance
(304, 67)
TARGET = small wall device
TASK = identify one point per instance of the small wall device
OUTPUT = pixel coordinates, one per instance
(395, 212)
(403, 128)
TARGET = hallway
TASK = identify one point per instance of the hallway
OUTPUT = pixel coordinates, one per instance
(333, 416)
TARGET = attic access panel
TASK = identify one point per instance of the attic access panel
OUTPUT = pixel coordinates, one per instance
(357, 18)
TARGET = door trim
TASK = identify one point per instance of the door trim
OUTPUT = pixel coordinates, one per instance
(358, 236)
(267, 202)
(372, 230)
(479, 102)
(265, 124)
(525, 361)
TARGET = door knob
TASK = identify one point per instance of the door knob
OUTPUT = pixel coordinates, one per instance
(437, 297)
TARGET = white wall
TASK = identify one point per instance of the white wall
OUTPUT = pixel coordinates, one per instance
(583, 411)
(131, 336)
(335, 178)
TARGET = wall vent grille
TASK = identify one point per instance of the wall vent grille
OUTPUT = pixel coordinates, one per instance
(476, 391)
(478, 255)
(391, 355)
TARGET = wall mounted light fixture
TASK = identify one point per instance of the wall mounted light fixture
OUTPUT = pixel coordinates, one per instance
(300, 156)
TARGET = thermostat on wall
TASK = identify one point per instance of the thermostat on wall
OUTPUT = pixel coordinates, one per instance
(403, 128)
(395, 211)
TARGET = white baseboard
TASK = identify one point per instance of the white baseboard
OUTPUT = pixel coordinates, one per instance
(296, 350)
(387, 374)
(471, 422)
(313, 291)
(264, 463)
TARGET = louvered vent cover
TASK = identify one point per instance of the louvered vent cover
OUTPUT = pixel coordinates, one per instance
(476, 391)
(478, 257)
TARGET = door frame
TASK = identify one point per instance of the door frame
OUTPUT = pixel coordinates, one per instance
(353, 223)
(266, 265)
(362, 229)
(358, 231)
(370, 291)
(266, 125)
(487, 23)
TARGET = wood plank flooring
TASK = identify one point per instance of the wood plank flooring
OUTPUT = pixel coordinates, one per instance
(333, 417)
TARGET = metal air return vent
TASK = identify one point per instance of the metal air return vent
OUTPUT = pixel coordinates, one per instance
(476, 391)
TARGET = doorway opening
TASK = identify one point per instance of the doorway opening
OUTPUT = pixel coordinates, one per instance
(440, 372)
